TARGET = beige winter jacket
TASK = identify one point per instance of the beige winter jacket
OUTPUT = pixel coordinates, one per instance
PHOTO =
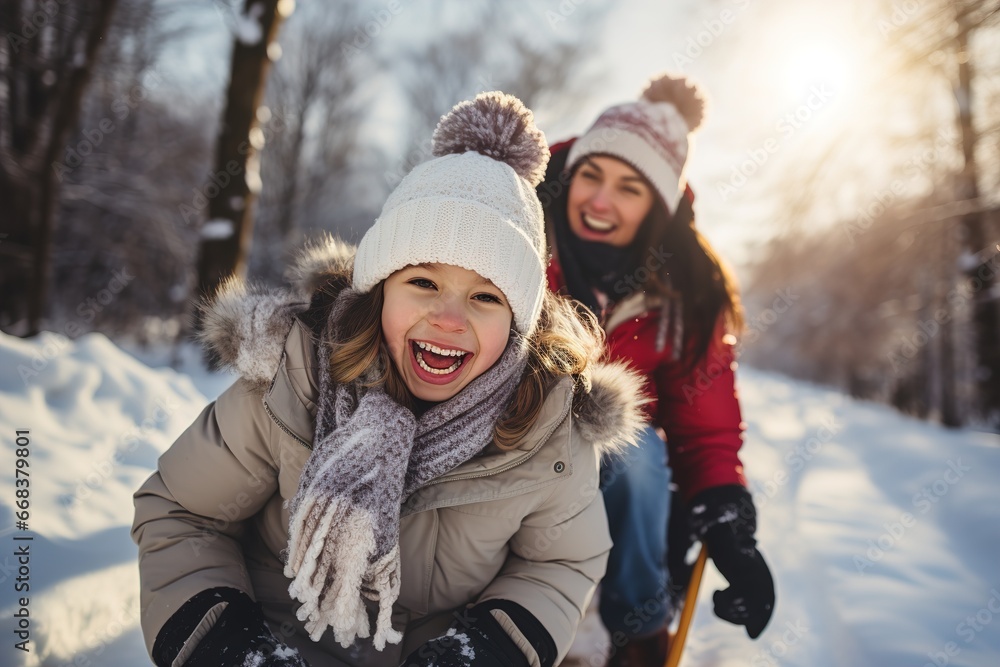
(526, 525)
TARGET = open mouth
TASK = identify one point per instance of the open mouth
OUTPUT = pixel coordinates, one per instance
(597, 225)
(438, 362)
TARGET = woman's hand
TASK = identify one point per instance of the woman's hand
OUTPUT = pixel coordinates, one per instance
(725, 519)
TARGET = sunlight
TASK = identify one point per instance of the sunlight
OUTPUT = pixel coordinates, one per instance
(820, 64)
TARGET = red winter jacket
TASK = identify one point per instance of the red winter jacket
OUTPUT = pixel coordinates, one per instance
(699, 412)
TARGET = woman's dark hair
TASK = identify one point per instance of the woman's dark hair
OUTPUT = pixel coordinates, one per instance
(693, 273)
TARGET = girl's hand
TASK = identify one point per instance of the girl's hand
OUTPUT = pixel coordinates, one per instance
(239, 636)
(475, 639)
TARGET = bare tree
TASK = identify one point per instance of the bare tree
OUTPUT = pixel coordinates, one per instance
(929, 194)
(45, 63)
(975, 225)
(235, 178)
(943, 35)
(144, 145)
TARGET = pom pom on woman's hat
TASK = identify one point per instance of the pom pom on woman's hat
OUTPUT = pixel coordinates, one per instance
(473, 205)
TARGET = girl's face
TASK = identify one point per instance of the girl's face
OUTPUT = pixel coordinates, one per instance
(444, 327)
(608, 200)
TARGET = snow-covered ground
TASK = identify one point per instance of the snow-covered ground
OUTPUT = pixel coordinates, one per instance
(883, 532)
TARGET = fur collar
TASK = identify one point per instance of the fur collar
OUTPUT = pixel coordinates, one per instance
(245, 326)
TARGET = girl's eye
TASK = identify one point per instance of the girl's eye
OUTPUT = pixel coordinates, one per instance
(422, 282)
(632, 191)
(589, 175)
(487, 298)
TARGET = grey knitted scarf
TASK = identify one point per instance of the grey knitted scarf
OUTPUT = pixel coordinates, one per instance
(369, 455)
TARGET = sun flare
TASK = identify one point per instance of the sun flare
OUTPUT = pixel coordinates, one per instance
(819, 64)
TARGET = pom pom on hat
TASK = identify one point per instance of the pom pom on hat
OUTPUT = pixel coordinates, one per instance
(686, 96)
(499, 126)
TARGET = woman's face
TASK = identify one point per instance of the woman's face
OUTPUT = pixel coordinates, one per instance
(608, 200)
(444, 327)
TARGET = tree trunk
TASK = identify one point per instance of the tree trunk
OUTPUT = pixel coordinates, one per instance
(235, 181)
(945, 375)
(18, 220)
(985, 313)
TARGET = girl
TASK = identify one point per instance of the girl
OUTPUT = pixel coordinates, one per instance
(621, 224)
(408, 466)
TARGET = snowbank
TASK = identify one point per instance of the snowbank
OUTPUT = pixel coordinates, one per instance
(97, 419)
(881, 530)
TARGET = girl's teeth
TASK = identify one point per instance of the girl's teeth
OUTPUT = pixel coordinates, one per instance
(437, 371)
(437, 350)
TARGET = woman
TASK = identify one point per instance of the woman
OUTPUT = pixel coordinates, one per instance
(621, 227)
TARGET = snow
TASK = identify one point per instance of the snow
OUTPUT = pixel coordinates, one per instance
(285, 652)
(218, 228)
(881, 530)
(249, 30)
(98, 419)
(880, 541)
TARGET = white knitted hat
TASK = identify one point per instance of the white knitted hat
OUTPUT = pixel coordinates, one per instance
(473, 206)
(650, 134)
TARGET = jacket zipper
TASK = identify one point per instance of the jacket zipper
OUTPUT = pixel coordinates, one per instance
(284, 428)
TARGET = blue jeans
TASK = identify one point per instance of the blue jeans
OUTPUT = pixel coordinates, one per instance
(636, 488)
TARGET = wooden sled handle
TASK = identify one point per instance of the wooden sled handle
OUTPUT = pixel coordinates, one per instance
(687, 613)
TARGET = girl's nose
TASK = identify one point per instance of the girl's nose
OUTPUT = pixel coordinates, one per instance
(448, 314)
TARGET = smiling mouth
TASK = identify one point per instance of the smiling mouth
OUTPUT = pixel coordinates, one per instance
(437, 360)
(597, 225)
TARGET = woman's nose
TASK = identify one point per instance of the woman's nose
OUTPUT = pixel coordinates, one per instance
(601, 200)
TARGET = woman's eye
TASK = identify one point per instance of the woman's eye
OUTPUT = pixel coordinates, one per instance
(632, 191)
(589, 175)
(422, 282)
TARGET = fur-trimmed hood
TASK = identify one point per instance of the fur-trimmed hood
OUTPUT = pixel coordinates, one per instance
(246, 325)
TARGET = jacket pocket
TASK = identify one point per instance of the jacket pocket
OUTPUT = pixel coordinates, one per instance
(472, 547)
(418, 541)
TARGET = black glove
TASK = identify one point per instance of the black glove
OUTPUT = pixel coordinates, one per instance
(724, 518)
(238, 633)
(476, 639)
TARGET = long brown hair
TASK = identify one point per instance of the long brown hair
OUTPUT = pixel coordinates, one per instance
(693, 273)
(566, 340)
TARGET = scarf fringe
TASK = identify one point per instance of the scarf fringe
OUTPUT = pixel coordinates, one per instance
(329, 554)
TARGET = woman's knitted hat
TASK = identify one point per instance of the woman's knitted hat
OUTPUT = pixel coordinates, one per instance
(650, 134)
(473, 205)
